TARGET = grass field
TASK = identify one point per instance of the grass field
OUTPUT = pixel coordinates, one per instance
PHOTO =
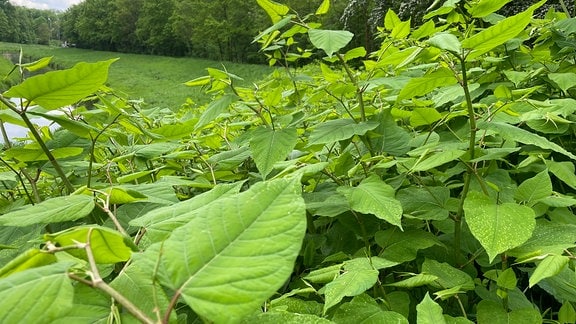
(156, 79)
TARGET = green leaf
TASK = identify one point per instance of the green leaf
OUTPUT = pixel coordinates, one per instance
(355, 53)
(330, 41)
(78, 128)
(424, 116)
(274, 317)
(492, 312)
(500, 33)
(324, 7)
(90, 306)
(269, 146)
(401, 246)
(446, 41)
(37, 65)
(274, 10)
(37, 295)
(363, 309)
(394, 140)
(401, 30)
(391, 20)
(549, 267)
(564, 171)
(374, 196)
(32, 155)
(485, 7)
(214, 109)
(564, 80)
(338, 130)
(448, 276)
(234, 255)
(32, 258)
(59, 209)
(350, 283)
(548, 238)
(426, 84)
(429, 312)
(534, 189)
(566, 313)
(108, 245)
(498, 228)
(425, 203)
(436, 159)
(520, 135)
(62, 88)
(507, 279)
(160, 222)
(418, 280)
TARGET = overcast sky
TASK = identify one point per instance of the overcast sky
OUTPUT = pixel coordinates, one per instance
(45, 4)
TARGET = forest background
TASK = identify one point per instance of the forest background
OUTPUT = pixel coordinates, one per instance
(219, 30)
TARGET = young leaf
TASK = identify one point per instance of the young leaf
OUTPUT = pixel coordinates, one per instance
(269, 146)
(32, 258)
(549, 267)
(274, 10)
(61, 88)
(59, 209)
(498, 227)
(421, 279)
(500, 33)
(234, 255)
(485, 7)
(424, 116)
(374, 196)
(324, 7)
(391, 20)
(38, 64)
(36, 295)
(429, 312)
(446, 41)
(330, 41)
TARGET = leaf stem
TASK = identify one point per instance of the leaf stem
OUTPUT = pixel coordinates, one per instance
(359, 91)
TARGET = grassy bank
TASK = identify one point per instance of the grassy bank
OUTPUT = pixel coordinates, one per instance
(156, 79)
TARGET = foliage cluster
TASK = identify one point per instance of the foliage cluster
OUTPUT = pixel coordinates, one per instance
(433, 183)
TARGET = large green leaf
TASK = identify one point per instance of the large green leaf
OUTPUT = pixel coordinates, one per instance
(520, 135)
(548, 238)
(564, 80)
(374, 196)
(549, 267)
(534, 189)
(59, 209)
(269, 146)
(403, 246)
(500, 33)
(429, 312)
(339, 129)
(350, 283)
(564, 171)
(90, 306)
(234, 255)
(37, 295)
(483, 8)
(32, 258)
(425, 203)
(160, 222)
(448, 276)
(330, 41)
(498, 227)
(62, 88)
(107, 245)
(428, 83)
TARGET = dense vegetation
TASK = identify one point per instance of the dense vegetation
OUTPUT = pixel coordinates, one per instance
(430, 181)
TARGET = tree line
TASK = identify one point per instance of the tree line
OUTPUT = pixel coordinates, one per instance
(219, 30)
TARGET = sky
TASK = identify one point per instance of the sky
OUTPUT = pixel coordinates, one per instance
(46, 4)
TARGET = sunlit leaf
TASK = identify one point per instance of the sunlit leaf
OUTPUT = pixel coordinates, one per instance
(429, 312)
(274, 10)
(32, 258)
(58, 209)
(234, 255)
(330, 41)
(498, 227)
(269, 146)
(534, 189)
(214, 109)
(549, 267)
(61, 88)
(350, 283)
(485, 7)
(324, 7)
(426, 84)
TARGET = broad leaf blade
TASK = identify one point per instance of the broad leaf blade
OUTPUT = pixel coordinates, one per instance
(338, 130)
(498, 227)
(214, 109)
(40, 294)
(59, 209)
(269, 146)
(426, 84)
(351, 283)
(61, 88)
(273, 9)
(534, 189)
(549, 267)
(330, 41)
(429, 312)
(237, 253)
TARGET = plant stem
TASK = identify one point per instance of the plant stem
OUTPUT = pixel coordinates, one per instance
(359, 91)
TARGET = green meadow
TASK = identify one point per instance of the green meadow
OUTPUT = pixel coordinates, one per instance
(158, 80)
